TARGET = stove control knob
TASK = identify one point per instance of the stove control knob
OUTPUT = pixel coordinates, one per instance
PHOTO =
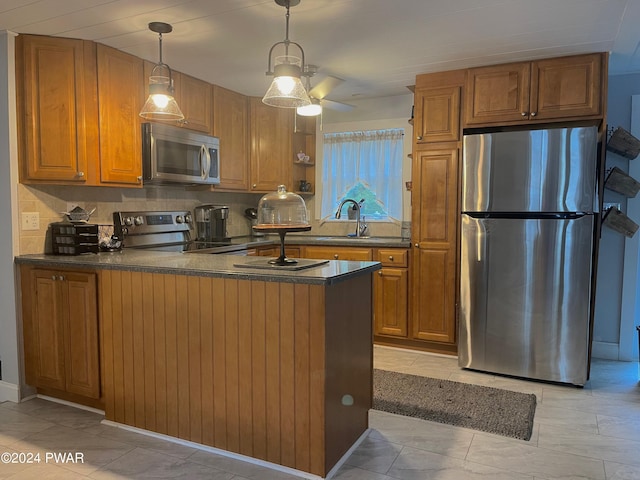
(187, 218)
(128, 221)
(138, 220)
(179, 219)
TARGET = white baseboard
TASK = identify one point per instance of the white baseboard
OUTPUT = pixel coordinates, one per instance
(244, 458)
(9, 392)
(605, 350)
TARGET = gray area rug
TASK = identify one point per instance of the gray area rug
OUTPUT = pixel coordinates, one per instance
(492, 410)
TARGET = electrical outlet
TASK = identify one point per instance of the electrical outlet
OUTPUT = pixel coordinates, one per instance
(30, 221)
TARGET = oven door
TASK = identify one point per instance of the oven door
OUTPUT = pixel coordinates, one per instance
(175, 155)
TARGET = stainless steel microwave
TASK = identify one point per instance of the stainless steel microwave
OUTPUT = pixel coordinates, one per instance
(176, 155)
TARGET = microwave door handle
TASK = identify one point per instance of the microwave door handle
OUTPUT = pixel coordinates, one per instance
(208, 155)
(203, 162)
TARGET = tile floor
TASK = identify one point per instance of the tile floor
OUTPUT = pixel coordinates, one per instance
(590, 433)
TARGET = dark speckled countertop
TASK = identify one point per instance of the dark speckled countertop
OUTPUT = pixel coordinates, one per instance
(177, 263)
(372, 242)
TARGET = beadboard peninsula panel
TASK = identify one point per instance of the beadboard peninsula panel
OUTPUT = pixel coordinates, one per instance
(240, 365)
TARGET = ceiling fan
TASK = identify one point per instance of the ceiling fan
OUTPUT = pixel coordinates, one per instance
(319, 93)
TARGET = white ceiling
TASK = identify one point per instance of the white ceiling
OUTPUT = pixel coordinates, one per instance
(377, 46)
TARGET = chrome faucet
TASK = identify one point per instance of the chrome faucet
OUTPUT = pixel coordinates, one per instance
(361, 227)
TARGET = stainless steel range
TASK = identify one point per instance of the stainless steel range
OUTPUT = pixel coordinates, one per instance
(164, 231)
(169, 231)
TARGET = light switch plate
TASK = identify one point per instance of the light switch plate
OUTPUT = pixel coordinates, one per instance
(30, 221)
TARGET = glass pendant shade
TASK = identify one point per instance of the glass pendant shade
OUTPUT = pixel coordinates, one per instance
(286, 90)
(161, 105)
(311, 110)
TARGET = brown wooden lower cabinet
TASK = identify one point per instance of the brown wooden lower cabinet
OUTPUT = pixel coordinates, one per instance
(391, 293)
(338, 253)
(434, 318)
(256, 368)
(60, 321)
(431, 326)
(391, 287)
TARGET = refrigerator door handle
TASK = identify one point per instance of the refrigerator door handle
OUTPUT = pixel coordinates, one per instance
(481, 244)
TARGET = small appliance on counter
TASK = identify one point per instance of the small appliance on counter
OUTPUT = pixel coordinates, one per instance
(211, 223)
(75, 235)
(74, 238)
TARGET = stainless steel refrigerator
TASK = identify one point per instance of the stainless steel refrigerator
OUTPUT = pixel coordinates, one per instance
(528, 202)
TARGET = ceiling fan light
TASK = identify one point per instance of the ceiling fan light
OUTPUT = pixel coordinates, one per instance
(311, 110)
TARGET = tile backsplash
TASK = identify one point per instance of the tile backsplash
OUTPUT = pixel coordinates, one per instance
(50, 202)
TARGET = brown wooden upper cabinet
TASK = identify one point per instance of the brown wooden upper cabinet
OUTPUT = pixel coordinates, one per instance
(437, 114)
(230, 125)
(271, 146)
(120, 98)
(57, 112)
(194, 97)
(551, 89)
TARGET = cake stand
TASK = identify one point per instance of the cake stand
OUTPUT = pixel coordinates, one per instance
(281, 230)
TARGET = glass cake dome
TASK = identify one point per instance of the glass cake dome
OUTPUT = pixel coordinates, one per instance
(281, 212)
(282, 209)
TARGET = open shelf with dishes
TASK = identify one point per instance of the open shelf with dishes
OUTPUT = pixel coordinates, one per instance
(304, 161)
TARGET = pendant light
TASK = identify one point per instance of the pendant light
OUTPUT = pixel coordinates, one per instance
(286, 90)
(161, 105)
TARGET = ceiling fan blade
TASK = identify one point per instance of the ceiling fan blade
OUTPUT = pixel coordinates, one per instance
(333, 105)
(324, 87)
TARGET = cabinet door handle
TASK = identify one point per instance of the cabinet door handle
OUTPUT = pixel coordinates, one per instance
(416, 245)
(254, 185)
(391, 257)
(139, 178)
(533, 114)
(524, 114)
(53, 277)
(335, 256)
(380, 272)
(61, 277)
(419, 137)
(81, 174)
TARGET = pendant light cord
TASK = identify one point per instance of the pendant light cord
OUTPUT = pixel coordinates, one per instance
(286, 32)
(160, 46)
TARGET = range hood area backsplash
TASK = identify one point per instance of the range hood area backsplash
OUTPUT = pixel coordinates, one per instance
(50, 201)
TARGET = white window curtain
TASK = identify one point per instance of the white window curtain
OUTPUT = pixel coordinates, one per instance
(372, 157)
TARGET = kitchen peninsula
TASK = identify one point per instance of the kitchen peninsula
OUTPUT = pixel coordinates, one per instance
(270, 364)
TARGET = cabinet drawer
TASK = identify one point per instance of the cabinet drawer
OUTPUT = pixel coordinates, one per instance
(339, 253)
(393, 257)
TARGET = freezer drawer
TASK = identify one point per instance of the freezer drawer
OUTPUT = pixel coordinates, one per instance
(525, 291)
(530, 171)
